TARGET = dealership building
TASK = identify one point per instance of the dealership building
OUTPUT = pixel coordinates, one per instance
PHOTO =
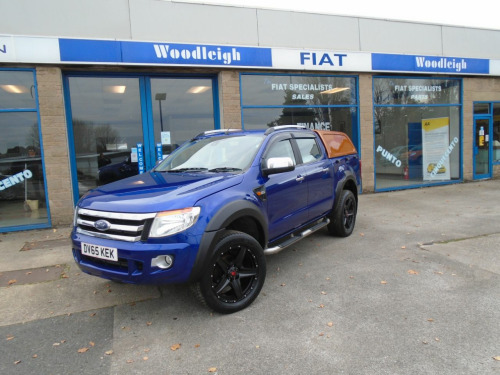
(92, 92)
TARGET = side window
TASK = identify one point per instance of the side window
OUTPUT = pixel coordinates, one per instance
(309, 150)
(281, 149)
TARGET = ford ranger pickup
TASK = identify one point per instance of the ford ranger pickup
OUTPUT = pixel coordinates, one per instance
(213, 209)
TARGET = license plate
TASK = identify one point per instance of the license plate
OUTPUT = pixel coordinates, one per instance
(101, 252)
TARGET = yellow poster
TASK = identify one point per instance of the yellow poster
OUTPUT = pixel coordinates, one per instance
(436, 148)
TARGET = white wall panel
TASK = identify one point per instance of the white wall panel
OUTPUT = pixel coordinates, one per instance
(466, 42)
(107, 19)
(400, 37)
(192, 23)
(305, 30)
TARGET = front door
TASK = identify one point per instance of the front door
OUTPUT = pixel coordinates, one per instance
(122, 125)
(482, 148)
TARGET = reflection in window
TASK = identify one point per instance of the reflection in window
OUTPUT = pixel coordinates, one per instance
(182, 108)
(314, 101)
(107, 124)
(416, 143)
(22, 186)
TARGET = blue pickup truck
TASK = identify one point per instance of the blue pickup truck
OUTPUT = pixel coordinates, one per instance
(211, 211)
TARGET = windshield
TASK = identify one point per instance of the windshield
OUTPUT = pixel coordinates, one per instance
(213, 154)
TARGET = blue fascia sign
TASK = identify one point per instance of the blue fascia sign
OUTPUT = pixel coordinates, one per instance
(429, 64)
(125, 52)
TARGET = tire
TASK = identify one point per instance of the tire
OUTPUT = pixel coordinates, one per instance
(235, 274)
(343, 218)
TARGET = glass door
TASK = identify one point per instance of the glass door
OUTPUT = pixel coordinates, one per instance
(482, 147)
(107, 124)
(110, 116)
(180, 109)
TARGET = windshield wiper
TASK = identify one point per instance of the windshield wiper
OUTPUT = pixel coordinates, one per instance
(225, 169)
(186, 170)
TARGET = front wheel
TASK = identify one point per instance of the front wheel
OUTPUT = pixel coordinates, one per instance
(344, 216)
(235, 274)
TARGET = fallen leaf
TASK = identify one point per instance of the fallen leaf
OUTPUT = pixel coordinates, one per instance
(10, 338)
(83, 350)
(148, 323)
(323, 293)
(497, 358)
(145, 358)
(92, 343)
(109, 352)
(383, 282)
(212, 369)
(321, 306)
(175, 347)
(130, 361)
(430, 320)
(197, 346)
(412, 272)
(330, 324)
(17, 362)
(403, 247)
(283, 284)
(12, 281)
(34, 356)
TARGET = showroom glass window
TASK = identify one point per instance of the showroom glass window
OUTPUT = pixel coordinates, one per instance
(417, 138)
(111, 115)
(315, 101)
(23, 200)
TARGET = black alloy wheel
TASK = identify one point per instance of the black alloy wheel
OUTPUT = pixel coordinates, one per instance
(235, 274)
(343, 218)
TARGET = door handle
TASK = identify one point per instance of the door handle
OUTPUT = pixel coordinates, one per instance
(299, 178)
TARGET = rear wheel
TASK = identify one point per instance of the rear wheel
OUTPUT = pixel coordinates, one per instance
(344, 216)
(235, 274)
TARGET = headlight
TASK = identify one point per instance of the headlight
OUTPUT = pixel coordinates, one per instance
(75, 216)
(167, 223)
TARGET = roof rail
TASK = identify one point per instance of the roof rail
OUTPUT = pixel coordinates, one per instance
(226, 131)
(279, 127)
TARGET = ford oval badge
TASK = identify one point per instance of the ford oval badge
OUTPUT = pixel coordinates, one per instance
(102, 225)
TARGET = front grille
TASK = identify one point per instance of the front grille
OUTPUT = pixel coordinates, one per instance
(120, 226)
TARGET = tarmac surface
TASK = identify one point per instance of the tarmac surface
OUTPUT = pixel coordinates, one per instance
(414, 290)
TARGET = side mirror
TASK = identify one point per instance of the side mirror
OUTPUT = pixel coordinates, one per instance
(277, 165)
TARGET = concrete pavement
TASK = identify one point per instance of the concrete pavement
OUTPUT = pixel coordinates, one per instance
(415, 289)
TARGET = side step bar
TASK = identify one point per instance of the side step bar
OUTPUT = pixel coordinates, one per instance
(296, 238)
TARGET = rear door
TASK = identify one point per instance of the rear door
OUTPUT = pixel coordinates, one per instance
(318, 172)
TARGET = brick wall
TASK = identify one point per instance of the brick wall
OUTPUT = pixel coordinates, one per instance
(55, 144)
(229, 95)
(366, 129)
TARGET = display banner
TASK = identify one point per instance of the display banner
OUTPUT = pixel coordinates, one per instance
(123, 52)
(436, 148)
(140, 158)
(27, 49)
(429, 64)
(321, 60)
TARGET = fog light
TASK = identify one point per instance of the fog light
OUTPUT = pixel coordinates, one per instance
(162, 261)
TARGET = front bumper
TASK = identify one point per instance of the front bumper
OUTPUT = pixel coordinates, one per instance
(134, 260)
